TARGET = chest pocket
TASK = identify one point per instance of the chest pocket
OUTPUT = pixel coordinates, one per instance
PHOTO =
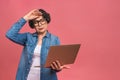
(50, 42)
(29, 48)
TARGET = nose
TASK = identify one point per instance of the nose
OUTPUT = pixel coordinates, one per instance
(39, 24)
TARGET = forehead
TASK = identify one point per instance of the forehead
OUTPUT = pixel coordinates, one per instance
(39, 18)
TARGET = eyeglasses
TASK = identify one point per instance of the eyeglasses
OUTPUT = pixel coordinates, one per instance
(37, 22)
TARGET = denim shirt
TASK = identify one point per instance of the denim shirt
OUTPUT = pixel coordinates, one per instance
(29, 41)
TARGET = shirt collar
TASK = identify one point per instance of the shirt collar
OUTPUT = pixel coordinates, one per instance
(47, 34)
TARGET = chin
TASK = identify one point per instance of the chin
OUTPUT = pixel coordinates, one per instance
(41, 31)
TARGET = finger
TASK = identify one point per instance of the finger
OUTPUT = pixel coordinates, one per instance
(65, 67)
(35, 16)
(58, 64)
(33, 11)
(55, 65)
(37, 12)
(52, 66)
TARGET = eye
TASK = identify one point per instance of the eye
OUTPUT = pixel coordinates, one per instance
(42, 20)
(35, 22)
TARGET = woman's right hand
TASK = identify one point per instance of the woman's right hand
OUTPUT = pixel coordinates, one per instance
(32, 15)
(57, 66)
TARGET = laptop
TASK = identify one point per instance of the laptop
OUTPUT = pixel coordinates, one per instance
(65, 54)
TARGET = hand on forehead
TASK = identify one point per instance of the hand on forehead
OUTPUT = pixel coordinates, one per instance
(37, 12)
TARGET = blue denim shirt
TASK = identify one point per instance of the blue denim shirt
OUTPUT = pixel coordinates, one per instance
(29, 41)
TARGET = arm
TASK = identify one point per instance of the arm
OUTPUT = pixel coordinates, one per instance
(13, 33)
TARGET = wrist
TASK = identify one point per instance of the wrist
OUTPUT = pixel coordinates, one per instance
(26, 18)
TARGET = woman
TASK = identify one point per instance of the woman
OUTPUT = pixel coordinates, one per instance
(36, 46)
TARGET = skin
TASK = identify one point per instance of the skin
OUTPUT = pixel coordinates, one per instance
(41, 29)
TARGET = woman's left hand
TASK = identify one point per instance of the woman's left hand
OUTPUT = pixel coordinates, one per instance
(57, 66)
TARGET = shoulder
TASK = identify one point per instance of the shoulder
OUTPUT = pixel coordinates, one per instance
(53, 36)
(54, 39)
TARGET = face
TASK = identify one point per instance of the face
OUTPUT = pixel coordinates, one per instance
(40, 25)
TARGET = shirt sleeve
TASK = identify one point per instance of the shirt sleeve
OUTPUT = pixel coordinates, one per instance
(13, 33)
(57, 41)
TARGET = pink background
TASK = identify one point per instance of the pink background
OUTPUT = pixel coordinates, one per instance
(93, 23)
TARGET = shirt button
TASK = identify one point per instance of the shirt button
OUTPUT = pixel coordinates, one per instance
(26, 78)
(30, 62)
(27, 69)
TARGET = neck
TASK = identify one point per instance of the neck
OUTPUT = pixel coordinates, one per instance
(41, 35)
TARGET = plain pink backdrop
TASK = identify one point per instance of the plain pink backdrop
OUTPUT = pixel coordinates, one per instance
(93, 23)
